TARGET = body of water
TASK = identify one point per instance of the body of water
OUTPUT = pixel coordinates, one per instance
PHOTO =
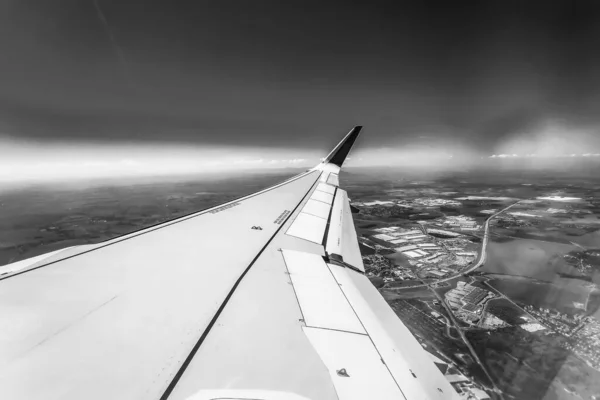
(526, 257)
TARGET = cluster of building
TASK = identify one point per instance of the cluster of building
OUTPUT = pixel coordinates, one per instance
(403, 273)
(533, 326)
(489, 212)
(467, 301)
(586, 343)
(524, 214)
(468, 391)
(535, 217)
(418, 202)
(456, 257)
(378, 265)
(431, 257)
(561, 323)
(506, 220)
(580, 260)
(568, 210)
(374, 203)
(557, 211)
(442, 233)
(420, 248)
(431, 202)
(434, 248)
(457, 223)
(413, 243)
(490, 321)
(584, 332)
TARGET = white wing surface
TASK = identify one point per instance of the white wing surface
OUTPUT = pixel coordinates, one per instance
(261, 298)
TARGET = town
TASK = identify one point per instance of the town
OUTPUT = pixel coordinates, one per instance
(430, 252)
(582, 331)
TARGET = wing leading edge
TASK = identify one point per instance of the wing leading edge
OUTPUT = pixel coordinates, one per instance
(205, 307)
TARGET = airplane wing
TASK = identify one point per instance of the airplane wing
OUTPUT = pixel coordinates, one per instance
(263, 297)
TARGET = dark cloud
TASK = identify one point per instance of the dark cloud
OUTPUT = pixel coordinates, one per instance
(298, 73)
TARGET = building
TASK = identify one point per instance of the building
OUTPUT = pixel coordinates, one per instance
(456, 378)
(383, 236)
(431, 257)
(386, 229)
(488, 211)
(415, 236)
(467, 297)
(522, 214)
(443, 233)
(436, 273)
(406, 248)
(411, 232)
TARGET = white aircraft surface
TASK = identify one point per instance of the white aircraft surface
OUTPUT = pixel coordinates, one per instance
(263, 297)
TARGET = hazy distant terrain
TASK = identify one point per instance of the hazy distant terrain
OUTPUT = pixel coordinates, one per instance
(42, 218)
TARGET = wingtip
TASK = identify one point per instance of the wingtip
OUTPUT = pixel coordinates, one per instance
(340, 152)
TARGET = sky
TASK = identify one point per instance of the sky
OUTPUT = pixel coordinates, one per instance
(234, 82)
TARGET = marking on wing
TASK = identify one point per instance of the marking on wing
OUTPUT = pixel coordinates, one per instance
(225, 207)
(282, 217)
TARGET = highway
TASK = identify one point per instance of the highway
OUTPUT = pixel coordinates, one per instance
(467, 343)
(453, 321)
(482, 253)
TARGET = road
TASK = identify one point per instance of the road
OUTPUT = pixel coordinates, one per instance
(447, 322)
(467, 343)
(453, 321)
(482, 253)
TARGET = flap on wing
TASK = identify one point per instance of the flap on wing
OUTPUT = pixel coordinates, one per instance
(355, 366)
(407, 361)
(320, 298)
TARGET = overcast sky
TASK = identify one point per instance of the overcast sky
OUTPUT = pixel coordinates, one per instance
(476, 76)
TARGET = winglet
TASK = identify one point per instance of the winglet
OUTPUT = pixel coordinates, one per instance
(340, 152)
